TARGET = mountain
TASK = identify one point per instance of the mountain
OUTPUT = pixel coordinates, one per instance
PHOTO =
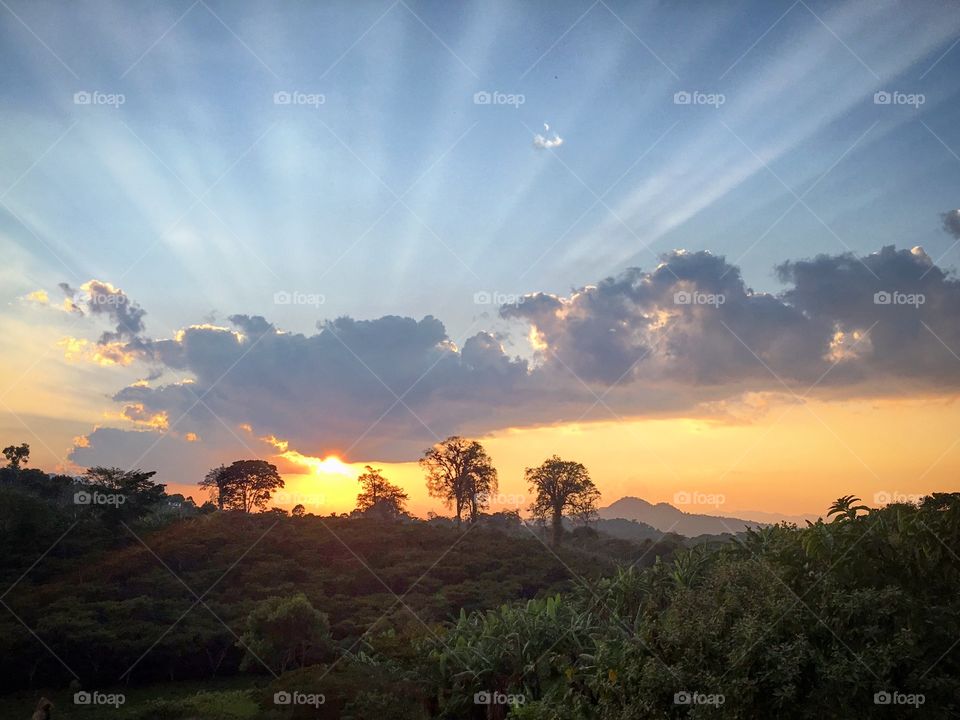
(666, 518)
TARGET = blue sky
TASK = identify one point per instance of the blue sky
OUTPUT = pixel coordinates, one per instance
(297, 191)
(386, 189)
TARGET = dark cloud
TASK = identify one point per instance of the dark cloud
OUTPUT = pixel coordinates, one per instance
(380, 384)
(684, 336)
(690, 320)
(911, 305)
(97, 297)
(113, 303)
(951, 222)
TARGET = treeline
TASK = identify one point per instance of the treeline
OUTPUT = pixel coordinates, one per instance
(459, 472)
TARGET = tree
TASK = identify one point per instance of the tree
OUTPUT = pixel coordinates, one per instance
(216, 481)
(136, 488)
(379, 496)
(285, 633)
(845, 509)
(16, 454)
(460, 473)
(245, 485)
(298, 510)
(562, 487)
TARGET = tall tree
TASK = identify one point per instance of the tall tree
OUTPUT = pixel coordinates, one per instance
(17, 454)
(561, 487)
(379, 496)
(245, 485)
(460, 473)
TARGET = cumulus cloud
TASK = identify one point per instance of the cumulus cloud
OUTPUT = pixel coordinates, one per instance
(690, 320)
(547, 143)
(688, 336)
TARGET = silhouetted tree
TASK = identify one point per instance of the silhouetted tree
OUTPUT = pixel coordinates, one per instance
(136, 488)
(17, 454)
(562, 487)
(460, 473)
(844, 508)
(245, 485)
(379, 496)
(298, 510)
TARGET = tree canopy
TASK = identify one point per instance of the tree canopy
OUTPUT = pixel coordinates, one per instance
(561, 487)
(460, 473)
(17, 455)
(244, 485)
(378, 496)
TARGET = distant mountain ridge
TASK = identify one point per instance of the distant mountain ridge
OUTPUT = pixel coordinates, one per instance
(667, 518)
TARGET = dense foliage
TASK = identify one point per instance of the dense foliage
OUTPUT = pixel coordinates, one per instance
(858, 617)
(382, 615)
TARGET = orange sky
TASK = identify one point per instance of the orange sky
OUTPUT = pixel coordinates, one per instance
(793, 459)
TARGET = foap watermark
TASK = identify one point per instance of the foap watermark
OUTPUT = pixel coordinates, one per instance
(895, 297)
(98, 698)
(498, 98)
(494, 297)
(485, 697)
(108, 299)
(696, 97)
(299, 698)
(895, 97)
(699, 498)
(689, 697)
(885, 697)
(507, 500)
(695, 297)
(294, 499)
(85, 497)
(297, 97)
(295, 297)
(886, 498)
(96, 97)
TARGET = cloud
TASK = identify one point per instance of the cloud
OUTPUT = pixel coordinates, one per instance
(684, 338)
(951, 222)
(843, 320)
(547, 143)
(638, 326)
(38, 297)
(104, 354)
(96, 297)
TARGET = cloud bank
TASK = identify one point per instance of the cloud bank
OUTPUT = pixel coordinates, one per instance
(682, 338)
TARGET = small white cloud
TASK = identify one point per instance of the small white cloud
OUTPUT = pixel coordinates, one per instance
(547, 143)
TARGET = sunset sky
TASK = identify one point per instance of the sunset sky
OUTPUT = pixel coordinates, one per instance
(704, 251)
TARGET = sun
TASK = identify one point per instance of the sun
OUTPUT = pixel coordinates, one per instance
(332, 465)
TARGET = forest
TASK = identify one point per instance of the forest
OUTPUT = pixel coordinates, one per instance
(123, 601)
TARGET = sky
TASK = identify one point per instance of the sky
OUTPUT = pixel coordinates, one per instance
(649, 237)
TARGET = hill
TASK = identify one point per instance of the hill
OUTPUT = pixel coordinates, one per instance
(667, 518)
(366, 574)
